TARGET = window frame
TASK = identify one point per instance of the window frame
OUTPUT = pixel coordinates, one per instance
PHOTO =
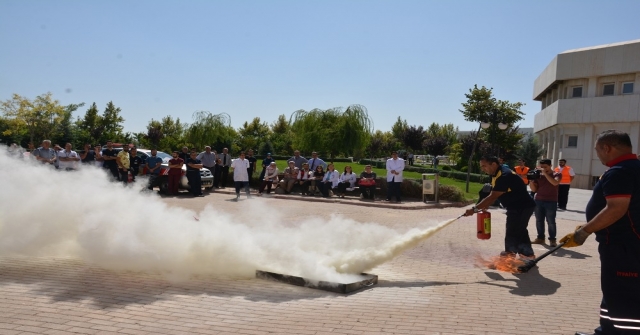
(573, 91)
(627, 83)
(569, 137)
(613, 89)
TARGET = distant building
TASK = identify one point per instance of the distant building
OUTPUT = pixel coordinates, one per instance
(584, 92)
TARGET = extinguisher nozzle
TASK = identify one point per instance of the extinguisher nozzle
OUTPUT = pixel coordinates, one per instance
(528, 265)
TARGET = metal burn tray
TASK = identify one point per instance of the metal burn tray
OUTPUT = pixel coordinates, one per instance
(344, 288)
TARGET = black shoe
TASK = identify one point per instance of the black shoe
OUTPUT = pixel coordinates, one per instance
(583, 333)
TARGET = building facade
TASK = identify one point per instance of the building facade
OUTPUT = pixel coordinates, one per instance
(584, 92)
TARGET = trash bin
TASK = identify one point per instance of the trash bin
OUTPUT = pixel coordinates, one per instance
(430, 186)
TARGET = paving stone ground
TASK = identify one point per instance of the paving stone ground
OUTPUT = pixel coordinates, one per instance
(436, 288)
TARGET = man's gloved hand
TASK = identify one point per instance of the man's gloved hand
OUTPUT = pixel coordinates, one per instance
(575, 239)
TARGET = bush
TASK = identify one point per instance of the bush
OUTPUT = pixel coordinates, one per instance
(446, 168)
(464, 169)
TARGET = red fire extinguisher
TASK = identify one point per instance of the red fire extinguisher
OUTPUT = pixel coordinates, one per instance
(484, 225)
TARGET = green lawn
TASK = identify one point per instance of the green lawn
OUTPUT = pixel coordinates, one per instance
(474, 188)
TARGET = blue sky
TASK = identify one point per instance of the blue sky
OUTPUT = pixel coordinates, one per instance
(413, 59)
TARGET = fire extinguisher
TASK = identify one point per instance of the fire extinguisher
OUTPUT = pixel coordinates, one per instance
(484, 225)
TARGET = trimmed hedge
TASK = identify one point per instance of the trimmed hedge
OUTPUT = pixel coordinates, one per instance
(285, 158)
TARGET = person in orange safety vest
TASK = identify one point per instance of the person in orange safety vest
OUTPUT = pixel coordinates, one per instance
(565, 183)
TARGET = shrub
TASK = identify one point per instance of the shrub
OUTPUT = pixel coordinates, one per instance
(446, 168)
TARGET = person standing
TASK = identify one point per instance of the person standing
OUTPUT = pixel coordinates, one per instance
(109, 156)
(88, 156)
(193, 174)
(395, 166)
(314, 162)
(208, 159)
(153, 166)
(98, 161)
(252, 164)
(45, 154)
(297, 159)
(512, 193)
(521, 170)
(175, 173)
(410, 156)
(565, 183)
(435, 162)
(68, 158)
(613, 214)
(546, 198)
(184, 154)
(224, 170)
(136, 162)
(240, 176)
(124, 164)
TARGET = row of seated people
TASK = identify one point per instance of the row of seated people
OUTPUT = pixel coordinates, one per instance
(319, 180)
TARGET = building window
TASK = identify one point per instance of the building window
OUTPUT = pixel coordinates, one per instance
(627, 88)
(608, 89)
(572, 141)
(576, 92)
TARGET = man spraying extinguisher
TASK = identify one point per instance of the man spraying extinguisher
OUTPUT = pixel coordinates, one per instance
(507, 187)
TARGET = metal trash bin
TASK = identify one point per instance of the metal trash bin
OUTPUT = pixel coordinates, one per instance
(430, 186)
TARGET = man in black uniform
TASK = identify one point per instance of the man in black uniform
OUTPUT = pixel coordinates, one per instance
(513, 195)
(613, 214)
(109, 155)
(193, 174)
(135, 162)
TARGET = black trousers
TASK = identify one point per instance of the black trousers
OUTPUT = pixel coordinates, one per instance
(368, 192)
(394, 190)
(516, 239)
(304, 187)
(224, 175)
(620, 283)
(342, 187)
(124, 176)
(217, 174)
(563, 195)
(195, 182)
(114, 171)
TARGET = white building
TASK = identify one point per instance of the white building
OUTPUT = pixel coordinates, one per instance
(584, 92)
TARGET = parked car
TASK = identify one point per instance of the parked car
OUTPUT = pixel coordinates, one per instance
(163, 177)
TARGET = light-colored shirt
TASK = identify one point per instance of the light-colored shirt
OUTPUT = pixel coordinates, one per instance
(271, 174)
(314, 162)
(226, 159)
(351, 178)
(395, 165)
(68, 164)
(240, 167)
(333, 177)
(298, 161)
(124, 159)
(207, 158)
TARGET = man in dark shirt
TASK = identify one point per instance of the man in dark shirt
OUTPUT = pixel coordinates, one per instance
(193, 174)
(135, 162)
(512, 193)
(88, 156)
(252, 164)
(613, 214)
(184, 154)
(154, 163)
(109, 155)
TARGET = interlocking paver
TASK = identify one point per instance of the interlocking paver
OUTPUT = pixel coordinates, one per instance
(435, 288)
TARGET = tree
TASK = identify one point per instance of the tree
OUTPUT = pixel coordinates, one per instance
(154, 133)
(530, 150)
(381, 144)
(281, 136)
(399, 128)
(253, 134)
(413, 137)
(482, 107)
(39, 117)
(332, 131)
(111, 123)
(436, 146)
(209, 129)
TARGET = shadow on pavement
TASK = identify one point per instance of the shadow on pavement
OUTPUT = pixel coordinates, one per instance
(527, 284)
(566, 253)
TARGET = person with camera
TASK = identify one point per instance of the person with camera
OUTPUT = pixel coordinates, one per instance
(544, 182)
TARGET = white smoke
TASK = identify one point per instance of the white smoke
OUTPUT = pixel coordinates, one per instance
(44, 212)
